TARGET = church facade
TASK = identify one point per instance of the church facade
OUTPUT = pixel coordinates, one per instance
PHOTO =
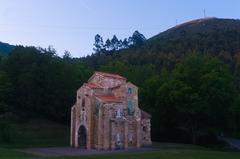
(106, 115)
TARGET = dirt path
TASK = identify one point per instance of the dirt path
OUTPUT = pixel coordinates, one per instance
(68, 151)
(234, 143)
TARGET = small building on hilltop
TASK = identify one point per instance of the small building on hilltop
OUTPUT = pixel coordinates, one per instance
(106, 115)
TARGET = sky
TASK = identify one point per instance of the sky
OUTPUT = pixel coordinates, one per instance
(72, 24)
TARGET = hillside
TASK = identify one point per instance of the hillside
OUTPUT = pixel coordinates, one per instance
(212, 36)
(209, 35)
(5, 48)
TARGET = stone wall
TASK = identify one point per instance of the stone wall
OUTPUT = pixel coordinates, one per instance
(146, 132)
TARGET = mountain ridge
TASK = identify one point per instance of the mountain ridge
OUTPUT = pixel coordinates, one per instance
(5, 48)
(203, 21)
(210, 36)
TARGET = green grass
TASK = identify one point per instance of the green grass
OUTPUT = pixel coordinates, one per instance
(13, 154)
(173, 154)
(37, 133)
(161, 154)
(41, 133)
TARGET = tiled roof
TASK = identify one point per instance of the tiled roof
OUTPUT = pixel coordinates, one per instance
(93, 85)
(111, 75)
(145, 115)
(109, 98)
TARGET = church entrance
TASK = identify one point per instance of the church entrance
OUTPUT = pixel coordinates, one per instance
(82, 137)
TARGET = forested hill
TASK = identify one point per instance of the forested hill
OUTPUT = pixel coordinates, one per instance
(213, 36)
(5, 48)
(209, 35)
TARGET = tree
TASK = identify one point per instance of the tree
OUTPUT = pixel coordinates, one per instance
(108, 45)
(137, 39)
(44, 85)
(157, 105)
(134, 73)
(114, 43)
(51, 51)
(98, 44)
(5, 92)
(120, 44)
(67, 55)
(125, 43)
(201, 90)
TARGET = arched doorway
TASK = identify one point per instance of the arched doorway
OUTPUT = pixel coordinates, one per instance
(82, 137)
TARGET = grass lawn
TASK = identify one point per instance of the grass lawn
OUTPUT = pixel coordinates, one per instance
(13, 154)
(37, 133)
(161, 154)
(40, 133)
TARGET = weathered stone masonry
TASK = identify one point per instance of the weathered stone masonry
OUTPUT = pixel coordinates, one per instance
(106, 115)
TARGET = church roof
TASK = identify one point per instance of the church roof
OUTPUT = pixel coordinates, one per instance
(110, 75)
(93, 85)
(145, 115)
(108, 98)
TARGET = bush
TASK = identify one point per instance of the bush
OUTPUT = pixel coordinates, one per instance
(5, 127)
(5, 131)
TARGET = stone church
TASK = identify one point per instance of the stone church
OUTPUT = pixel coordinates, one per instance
(106, 115)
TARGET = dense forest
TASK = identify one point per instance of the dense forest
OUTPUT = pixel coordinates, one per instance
(188, 78)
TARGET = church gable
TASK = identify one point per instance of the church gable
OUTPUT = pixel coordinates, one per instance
(107, 80)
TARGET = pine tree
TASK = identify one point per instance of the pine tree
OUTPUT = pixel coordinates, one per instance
(98, 44)
(125, 43)
(114, 43)
(137, 38)
(108, 45)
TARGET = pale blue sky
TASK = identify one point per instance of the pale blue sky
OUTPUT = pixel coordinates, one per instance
(72, 24)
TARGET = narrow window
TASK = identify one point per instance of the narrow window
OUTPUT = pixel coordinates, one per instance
(97, 108)
(129, 91)
(131, 138)
(130, 108)
(144, 128)
(119, 114)
(118, 139)
(83, 102)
